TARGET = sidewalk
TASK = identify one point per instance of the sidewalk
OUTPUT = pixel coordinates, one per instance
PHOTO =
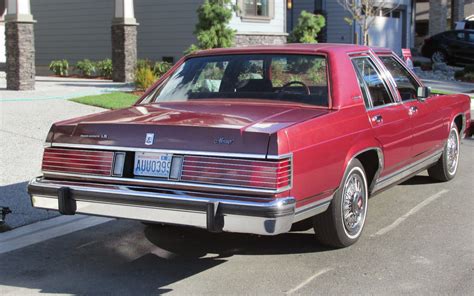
(25, 118)
(451, 86)
(50, 88)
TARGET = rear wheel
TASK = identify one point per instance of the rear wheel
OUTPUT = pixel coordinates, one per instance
(342, 224)
(446, 167)
(439, 56)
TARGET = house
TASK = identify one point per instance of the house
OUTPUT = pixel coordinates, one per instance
(79, 29)
(393, 29)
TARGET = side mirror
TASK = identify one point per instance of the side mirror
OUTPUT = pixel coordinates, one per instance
(423, 92)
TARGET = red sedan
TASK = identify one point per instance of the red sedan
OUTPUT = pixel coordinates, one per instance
(257, 140)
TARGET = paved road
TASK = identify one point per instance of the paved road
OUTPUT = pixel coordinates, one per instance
(23, 129)
(419, 240)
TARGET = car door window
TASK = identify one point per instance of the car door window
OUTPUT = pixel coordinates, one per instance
(406, 84)
(376, 86)
(470, 37)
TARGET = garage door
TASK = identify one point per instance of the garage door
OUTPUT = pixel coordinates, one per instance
(387, 31)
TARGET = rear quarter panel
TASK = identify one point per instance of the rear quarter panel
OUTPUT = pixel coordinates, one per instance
(321, 149)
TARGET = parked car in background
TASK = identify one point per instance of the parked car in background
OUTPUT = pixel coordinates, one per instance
(257, 140)
(454, 47)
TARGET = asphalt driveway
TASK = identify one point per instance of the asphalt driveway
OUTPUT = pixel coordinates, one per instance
(25, 118)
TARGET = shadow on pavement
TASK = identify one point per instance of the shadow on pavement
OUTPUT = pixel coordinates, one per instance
(15, 197)
(419, 180)
(195, 243)
(124, 257)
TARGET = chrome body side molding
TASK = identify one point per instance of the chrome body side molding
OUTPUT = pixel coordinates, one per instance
(407, 171)
(313, 209)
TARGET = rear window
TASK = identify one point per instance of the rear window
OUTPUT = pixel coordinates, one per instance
(278, 77)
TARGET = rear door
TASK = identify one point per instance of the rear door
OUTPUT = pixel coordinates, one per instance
(426, 118)
(389, 119)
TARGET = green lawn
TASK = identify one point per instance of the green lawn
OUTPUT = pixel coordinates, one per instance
(116, 100)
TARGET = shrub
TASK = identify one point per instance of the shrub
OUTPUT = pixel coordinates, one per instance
(469, 69)
(144, 63)
(86, 67)
(105, 68)
(144, 78)
(307, 29)
(469, 77)
(60, 67)
(459, 74)
(212, 29)
(161, 68)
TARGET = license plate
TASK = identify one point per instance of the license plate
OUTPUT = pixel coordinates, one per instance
(152, 164)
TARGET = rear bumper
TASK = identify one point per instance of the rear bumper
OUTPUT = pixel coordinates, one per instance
(210, 211)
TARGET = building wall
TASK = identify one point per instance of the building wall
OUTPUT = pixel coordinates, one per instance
(468, 8)
(275, 26)
(338, 30)
(78, 29)
(72, 29)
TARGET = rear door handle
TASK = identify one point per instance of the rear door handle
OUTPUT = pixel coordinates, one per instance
(377, 119)
(412, 110)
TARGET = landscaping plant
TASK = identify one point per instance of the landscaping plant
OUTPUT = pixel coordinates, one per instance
(59, 67)
(161, 68)
(144, 63)
(86, 67)
(467, 74)
(144, 78)
(105, 68)
(212, 29)
(307, 29)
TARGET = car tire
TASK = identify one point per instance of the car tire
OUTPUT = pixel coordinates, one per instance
(342, 223)
(446, 167)
(439, 56)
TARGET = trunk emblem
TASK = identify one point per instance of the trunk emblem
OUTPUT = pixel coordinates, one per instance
(149, 139)
(223, 141)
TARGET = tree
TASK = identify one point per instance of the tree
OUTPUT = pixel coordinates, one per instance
(212, 29)
(307, 29)
(363, 12)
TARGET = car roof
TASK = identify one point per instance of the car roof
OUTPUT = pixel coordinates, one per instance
(291, 48)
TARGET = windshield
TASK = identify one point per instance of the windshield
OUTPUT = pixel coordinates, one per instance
(291, 78)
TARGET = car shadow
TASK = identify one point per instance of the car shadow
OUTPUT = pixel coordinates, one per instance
(419, 180)
(125, 257)
(191, 242)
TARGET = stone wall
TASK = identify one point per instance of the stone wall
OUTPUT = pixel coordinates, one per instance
(438, 16)
(20, 48)
(259, 39)
(124, 52)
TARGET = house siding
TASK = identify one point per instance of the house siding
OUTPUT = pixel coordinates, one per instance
(79, 29)
(72, 29)
(338, 30)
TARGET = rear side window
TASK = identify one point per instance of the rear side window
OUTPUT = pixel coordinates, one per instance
(406, 84)
(375, 86)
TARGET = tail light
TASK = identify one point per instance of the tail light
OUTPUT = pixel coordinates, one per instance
(78, 161)
(274, 175)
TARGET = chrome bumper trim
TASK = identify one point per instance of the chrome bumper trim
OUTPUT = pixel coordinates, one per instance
(215, 212)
